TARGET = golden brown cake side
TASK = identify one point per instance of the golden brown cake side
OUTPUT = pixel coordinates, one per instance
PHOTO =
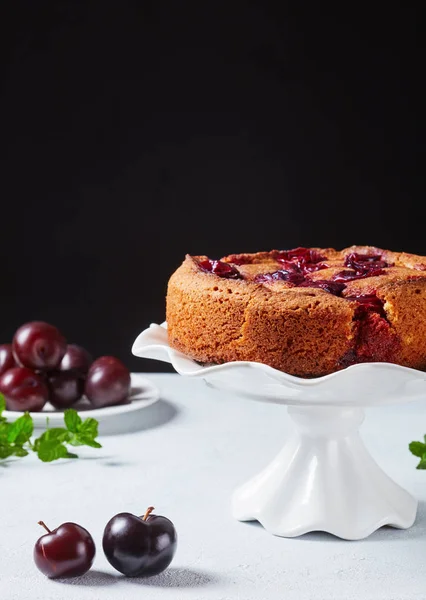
(305, 317)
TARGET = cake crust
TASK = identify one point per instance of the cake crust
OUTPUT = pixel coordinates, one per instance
(307, 311)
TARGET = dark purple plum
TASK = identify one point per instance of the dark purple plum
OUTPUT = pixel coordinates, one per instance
(65, 388)
(7, 360)
(67, 551)
(108, 382)
(76, 358)
(139, 546)
(23, 389)
(39, 345)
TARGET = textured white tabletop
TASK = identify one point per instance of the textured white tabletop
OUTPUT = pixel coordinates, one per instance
(194, 447)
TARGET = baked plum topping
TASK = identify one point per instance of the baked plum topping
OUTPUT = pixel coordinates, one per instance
(292, 276)
(367, 303)
(347, 275)
(217, 267)
(361, 266)
(365, 262)
(302, 268)
(312, 267)
(305, 259)
(333, 287)
(288, 265)
(302, 254)
(374, 341)
(349, 358)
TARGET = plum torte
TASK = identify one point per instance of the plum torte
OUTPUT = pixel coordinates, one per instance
(307, 311)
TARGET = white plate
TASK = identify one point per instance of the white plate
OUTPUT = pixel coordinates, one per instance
(111, 418)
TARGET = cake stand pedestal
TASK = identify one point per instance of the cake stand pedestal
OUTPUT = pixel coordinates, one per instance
(324, 478)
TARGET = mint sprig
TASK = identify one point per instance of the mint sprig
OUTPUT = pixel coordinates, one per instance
(52, 444)
(419, 450)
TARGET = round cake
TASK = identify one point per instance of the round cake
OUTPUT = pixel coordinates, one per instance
(307, 311)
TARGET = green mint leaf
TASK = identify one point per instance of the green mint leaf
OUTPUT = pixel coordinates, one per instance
(422, 463)
(21, 430)
(5, 451)
(72, 420)
(4, 432)
(51, 450)
(88, 441)
(75, 440)
(71, 455)
(84, 432)
(58, 434)
(89, 428)
(417, 448)
(19, 451)
(15, 437)
(84, 440)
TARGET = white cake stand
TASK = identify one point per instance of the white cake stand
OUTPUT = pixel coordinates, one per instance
(324, 479)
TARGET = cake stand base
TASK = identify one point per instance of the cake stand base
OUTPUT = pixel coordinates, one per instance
(324, 479)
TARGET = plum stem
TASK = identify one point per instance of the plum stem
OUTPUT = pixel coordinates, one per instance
(147, 513)
(45, 526)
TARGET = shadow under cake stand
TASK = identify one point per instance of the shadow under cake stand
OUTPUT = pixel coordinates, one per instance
(324, 478)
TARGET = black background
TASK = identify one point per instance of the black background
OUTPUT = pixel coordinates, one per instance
(135, 132)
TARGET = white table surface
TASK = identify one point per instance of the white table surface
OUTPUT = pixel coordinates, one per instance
(195, 446)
